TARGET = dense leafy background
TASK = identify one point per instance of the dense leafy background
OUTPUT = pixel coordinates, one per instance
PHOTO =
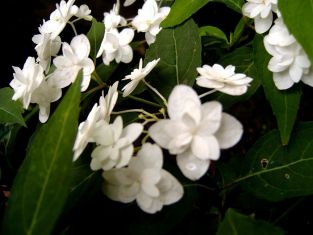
(262, 186)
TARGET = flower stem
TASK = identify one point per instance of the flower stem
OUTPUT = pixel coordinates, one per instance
(142, 100)
(207, 93)
(96, 78)
(99, 87)
(155, 91)
(73, 27)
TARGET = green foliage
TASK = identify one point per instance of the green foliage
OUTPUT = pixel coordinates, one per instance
(43, 181)
(276, 172)
(284, 104)
(181, 10)
(10, 111)
(235, 223)
(179, 50)
(233, 4)
(217, 35)
(300, 27)
(95, 36)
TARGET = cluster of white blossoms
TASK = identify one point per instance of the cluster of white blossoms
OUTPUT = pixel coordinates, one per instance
(132, 167)
(289, 64)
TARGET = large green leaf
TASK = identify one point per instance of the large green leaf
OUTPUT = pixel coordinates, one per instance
(300, 27)
(181, 10)
(10, 111)
(236, 5)
(95, 36)
(285, 103)
(276, 172)
(179, 50)
(242, 58)
(43, 181)
(235, 223)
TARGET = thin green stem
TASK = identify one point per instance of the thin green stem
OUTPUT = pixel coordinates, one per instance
(156, 92)
(207, 93)
(86, 94)
(97, 79)
(142, 100)
(73, 27)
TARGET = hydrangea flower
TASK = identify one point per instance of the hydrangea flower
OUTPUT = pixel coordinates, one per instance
(137, 75)
(262, 13)
(84, 13)
(223, 80)
(289, 63)
(108, 102)
(195, 132)
(74, 58)
(116, 145)
(46, 48)
(149, 18)
(26, 81)
(143, 180)
(115, 46)
(112, 20)
(59, 18)
(44, 95)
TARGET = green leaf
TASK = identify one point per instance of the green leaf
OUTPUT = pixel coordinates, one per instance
(213, 32)
(95, 36)
(179, 50)
(242, 58)
(276, 172)
(235, 223)
(10, 110)
(181, 10)
(43, 181)
(236, 36)
(236, 5)
(106, 71)
(285, 103)
(300, 27)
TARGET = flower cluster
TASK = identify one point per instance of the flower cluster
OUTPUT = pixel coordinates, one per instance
(289, 64)
(131, 166)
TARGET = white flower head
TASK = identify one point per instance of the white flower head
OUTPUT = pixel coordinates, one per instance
(289, 64)
(262, 13)
(115, 46)
(149, 18)
(59, 18)
(137, 75)
(84, 13)
(46, 48)
(108, 102)
(195, 132)
(74, 58)
(116, 145)
(87, 131)
(112, 19)
(43, 96)
(223, 79)
(26, 81)
(144, 181)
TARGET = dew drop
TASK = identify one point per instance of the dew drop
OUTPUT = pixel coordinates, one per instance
(287, 176)
(264, 163)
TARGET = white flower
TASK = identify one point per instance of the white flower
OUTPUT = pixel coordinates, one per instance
(88, 130)
(46, 48)
(289, 63)
(195, 132)
(223, 80)
(149, 18)
(116, 148)
(74, 58)
(26, 81)
(128, 2)
(59, 18)
(43, 96)
(84, 13)
(144, 181)
(108, 102)
(115, 46)
(262, 13)
(112, 20)
(137, 75)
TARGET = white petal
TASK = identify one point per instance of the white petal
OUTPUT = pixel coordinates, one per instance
(182, 99)
(192, 167)
(125, 156)
(263, 24)
(81, 46)
(283, 80)
(148, 204)
(230, 131)
(149, 179)
(211, 117)
(205, 147)
(132, 131)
